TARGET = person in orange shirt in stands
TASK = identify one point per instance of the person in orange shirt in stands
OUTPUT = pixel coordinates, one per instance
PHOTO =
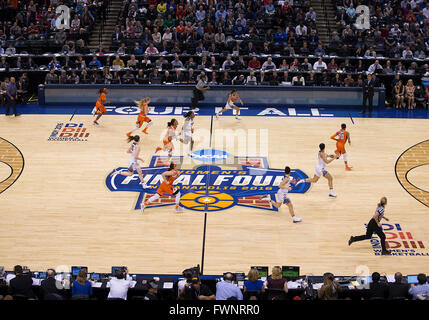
(166, 187)
(143, 104)
(342, 137)
(100, 109)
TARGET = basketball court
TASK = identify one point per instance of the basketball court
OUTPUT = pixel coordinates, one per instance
(57, 209)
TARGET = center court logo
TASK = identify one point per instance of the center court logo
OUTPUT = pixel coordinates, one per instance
(69, 132)
(209, 187)
(210, 155)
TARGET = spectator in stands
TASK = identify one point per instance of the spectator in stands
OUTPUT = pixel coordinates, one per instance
(388, 68)
(118, 63)
(54, 64)
(280, 37)
(178, 76)
(50, 288)
(409, 93)
(152, 293)
(306, 66)
(141, 77)
(276, 282)
(22, 283)
(407, 53)
(95, 63)
(133, 62)
(226, 79)
(166, 78)
(128, 78)
(51, 77)
(239, 80)
(137, 48)
(197, 291)
(191, 78)
(81, 287)
(398, 289)
(151, 49)
(146, 63)
(73, 78)
(377, 289)
(268, 65)
(319, 51)
(310, 15)
(375, 66)
(228, 63)
(332, 66)
(251, 79)
(399, 92)
(319, 65)
(155, 77)
(225, 289)
(119, 285)
(10, 51)
(253, 283)
(370, 53)
(60, 37)
(311, 81)
(298, 80)
(176, 63)
(422, 288)
(213, 64)
(330, 288)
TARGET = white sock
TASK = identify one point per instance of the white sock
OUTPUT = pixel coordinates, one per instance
(154, 198)
(178, 198)
(149, 124)
(345, 157)
(136, 128)
(331, 190)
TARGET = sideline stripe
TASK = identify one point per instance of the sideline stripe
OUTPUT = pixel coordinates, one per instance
(205, 213)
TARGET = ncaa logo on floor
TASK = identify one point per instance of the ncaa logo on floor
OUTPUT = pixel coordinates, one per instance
(209, 187)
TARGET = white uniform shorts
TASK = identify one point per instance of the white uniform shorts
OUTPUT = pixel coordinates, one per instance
(230, 106)
(282, 196)
(133, 165)
(187, 136)
(320, 171)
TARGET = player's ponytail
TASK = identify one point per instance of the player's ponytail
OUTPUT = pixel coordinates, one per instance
(173, 121)
(188, 114)
(172, 165)
(287, 170)
(134, 138)
(322, 146)
(382, 202)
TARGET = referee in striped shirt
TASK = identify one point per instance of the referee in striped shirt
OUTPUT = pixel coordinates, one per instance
(198, 90)
(374, 225)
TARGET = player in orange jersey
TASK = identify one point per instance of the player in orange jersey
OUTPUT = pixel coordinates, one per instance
(143, 104)
(232, 98)
(166, 187)
(168, 139)
(99, 108)
(342, 137)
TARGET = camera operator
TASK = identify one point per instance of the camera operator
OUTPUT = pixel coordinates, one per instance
(196, 291)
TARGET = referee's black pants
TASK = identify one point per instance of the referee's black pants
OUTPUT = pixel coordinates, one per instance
(198, 95)
(372, 228)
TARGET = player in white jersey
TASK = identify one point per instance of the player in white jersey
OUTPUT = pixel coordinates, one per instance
(188, 130)
(323, 160)
(232, 97)
(133, 164)
(282, 195)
